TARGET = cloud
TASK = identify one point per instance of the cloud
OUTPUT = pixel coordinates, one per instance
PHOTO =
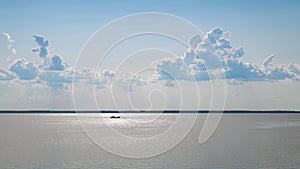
(294, 69)
(215, 35)
(108, 74)
(56, 79)
(214, 53)
(268, 62)
(4, 75)
(125, 81)
(128, 82)
(194, 41)
(103, 78)
(281, 72)
(172, 69)
(11, 43)
(236, 69)
(53, 63)
(43, 45)
(23, 69)
(189, 56)
(52, 71)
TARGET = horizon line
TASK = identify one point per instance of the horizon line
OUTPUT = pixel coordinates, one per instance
(147, 111)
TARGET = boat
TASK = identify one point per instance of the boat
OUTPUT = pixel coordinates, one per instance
(115, 117)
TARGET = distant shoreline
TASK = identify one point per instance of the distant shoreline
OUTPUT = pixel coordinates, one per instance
(154, 111)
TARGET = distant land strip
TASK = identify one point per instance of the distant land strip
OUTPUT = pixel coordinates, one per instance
(142, 111)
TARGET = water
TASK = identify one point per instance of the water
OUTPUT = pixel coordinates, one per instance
(241, 141)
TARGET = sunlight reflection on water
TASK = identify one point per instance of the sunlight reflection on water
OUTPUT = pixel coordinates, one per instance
(58, 141)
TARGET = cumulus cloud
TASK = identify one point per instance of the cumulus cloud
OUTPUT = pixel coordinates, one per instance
(214, 53)
(43, 45)
(294, 69)
(52, 71)
(5, 75)
(236, 69)
(103, 78)
(171, 69)
(56, 79)
(127, 81)
(24, 69)
(54, 63)
(11, 43)
(215, 35)
(279, 73)
(108, 74)
(268, 62)
(194, 41)
(210, 56)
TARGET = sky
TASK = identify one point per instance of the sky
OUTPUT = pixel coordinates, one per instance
(255, 44)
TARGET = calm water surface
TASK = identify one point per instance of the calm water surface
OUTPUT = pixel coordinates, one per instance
(241, 141)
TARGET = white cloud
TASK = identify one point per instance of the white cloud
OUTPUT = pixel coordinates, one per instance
(56, 79)
(294, 69)
(24, 69)
(211, 53)
(198, 64)
(236, 69)
(43, 45)
(103, 78)
(172, 69)
(125, 81)
(281, 72)
(5, 75)
(54, 63)
(268, 62)
(11, 43)
(128, 82)
(189, 56)
(214, 53)
(52, 71)
(215, 34)
(278, 73)
(194, 41)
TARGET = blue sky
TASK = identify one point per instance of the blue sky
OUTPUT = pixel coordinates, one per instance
(263, 28)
